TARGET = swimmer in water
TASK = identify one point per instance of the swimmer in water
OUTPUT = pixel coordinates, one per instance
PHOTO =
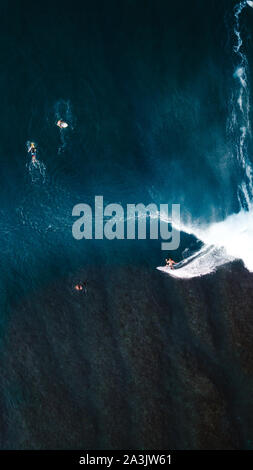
(78, 287)
(62, 124)
(170, 263)
(81, 287)
(33, 151)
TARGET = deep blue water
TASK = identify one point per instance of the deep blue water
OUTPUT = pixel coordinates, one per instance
(145, 87)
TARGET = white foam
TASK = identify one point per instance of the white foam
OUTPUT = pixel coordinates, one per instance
(234, 234)
(37, 170)
(240, 101)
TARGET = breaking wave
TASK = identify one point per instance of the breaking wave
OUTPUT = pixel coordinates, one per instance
(231, 238)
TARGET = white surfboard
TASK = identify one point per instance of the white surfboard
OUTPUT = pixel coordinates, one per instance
(64, 125)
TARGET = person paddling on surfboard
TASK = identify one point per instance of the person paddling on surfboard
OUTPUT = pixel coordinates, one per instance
(62, 124)
(33, 151)
(170, 263)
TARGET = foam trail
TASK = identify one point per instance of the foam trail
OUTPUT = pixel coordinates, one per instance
(206, 261)
(239, 122)
(37, 170)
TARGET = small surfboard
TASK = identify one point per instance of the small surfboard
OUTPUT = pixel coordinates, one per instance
(62, 124)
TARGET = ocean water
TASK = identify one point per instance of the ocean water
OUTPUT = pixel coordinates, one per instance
(157, 95)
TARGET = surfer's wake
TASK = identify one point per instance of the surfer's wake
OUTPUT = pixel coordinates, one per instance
(37, 171)
(201, 263)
